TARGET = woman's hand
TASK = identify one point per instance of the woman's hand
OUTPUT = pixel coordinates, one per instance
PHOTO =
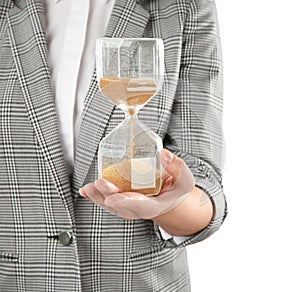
(178, 182)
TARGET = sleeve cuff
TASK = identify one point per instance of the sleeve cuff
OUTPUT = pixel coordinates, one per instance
(209, 182)
(177, 239)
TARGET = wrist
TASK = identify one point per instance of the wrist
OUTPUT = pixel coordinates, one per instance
(188, 217)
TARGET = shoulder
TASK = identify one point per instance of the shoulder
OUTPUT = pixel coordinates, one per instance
(5, 5)
(181, 4)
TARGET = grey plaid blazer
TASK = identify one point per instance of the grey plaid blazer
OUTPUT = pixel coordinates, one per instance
(37, 198)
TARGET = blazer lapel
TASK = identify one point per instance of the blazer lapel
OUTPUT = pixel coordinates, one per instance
(128, 20)
(26, 32)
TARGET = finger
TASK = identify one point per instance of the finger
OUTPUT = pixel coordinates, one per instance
(91, 193)
(172, 164)
(133, 205)
(182, 178)
(105, 187)
(167, 184)
(123, 200)
(118, 202)
(165, 175)
(83, 194)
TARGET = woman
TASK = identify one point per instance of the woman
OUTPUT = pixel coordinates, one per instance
(52, 239)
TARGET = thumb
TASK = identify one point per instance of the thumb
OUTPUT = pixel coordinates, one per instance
(171, 163)
(176, 167)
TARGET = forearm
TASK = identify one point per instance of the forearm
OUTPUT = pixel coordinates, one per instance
(189, 217)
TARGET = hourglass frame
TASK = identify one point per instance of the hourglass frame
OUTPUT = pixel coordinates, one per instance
(130, 73)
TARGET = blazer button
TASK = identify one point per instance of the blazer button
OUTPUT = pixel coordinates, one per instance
(65, 237)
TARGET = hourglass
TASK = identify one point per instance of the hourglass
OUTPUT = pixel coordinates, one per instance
(130, 72)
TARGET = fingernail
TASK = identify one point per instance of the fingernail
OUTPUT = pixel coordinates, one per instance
(167, 156)
(82, 193)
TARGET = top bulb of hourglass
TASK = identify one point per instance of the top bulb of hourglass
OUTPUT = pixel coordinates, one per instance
(129, 71)
(130, 94)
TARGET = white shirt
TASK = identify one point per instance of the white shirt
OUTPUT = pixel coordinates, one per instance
(72, 27)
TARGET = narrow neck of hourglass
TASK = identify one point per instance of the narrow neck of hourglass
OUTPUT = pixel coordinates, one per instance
(131, 111)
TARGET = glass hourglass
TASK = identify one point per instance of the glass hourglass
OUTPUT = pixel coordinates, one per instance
(130, 72)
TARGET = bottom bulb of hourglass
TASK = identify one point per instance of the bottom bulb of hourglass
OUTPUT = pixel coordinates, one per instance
(129, 157)
(134, 175)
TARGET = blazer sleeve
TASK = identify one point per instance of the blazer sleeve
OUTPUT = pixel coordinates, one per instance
(195, 129)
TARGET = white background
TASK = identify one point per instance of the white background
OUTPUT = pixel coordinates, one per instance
(257, 248)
